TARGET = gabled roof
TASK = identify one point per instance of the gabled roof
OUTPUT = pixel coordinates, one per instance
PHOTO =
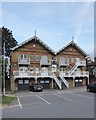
(48, 48)
(38, 40)
(76, 46)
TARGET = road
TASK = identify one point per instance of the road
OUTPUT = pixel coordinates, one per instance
(71, 103)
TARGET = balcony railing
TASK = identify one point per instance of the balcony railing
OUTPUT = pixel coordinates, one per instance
(24, 61)
(82, 63)
(75, 74)
(32, 74)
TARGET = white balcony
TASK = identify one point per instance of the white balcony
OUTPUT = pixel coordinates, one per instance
(75, 74)
(81, 63)
(24, 61)
(28, 74)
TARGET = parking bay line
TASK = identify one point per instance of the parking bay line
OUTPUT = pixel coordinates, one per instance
(19, 102)
(42, 99)
(68, 99)
(81, 95)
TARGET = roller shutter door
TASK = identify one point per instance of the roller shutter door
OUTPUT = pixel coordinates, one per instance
(45, 84)
(23, 84)
(78, 83)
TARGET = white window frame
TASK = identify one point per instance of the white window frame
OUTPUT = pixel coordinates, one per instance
(26, 81)
(20, 82)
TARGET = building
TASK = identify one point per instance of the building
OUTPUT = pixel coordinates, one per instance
(35, 62)
(91, 67)
(0, 41)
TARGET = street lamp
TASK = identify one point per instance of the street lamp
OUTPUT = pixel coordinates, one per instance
(94, 73)
(4, 69)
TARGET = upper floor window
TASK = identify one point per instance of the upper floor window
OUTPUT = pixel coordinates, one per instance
(73, 60)
(35, 57)
(62, 58)
(38, 58)
(68, 60)
(23, 56)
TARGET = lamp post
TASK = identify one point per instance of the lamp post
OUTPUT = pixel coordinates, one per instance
(4, 69)
(94, 73)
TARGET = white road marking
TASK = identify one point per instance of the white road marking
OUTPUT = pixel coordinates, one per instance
(42, 99)
(64, 97)
(32, 103)
(19, 102)
(11, 106)
(81, 95)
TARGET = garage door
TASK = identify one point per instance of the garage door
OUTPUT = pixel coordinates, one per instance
(78, 83)
(45, 84)
(23, 84)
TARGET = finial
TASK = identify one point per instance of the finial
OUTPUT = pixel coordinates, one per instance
(35, 32)
(72, 38)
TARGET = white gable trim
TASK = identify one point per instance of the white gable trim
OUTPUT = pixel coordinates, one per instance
(70, 43)
(37, 39)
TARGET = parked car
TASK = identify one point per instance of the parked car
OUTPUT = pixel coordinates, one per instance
(36, 87)
(91, 87)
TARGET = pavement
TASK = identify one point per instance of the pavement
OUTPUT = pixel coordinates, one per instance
(69, 103)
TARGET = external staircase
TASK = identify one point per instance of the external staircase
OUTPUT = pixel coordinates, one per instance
(57, 81)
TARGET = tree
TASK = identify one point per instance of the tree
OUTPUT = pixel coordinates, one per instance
(9, 40)
(0, 73)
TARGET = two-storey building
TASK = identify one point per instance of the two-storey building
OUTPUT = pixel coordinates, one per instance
(35, 62)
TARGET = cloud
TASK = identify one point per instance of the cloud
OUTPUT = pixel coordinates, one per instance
(83, 20)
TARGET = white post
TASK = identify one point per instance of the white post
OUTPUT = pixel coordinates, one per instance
(52, 83)
(88, 79)
(4, 70)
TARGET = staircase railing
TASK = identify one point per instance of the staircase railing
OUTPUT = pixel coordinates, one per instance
(65, 81)
(73, 68)
(57, 81)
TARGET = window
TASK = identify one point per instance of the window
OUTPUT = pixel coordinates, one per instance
(68, 60)
(26, 81)
(46, 81)
(37, 58)
(80, 80)
(73, 60)
(20, 82)
(32, 57)
(41, 81)
(76, 80)
(23, 56)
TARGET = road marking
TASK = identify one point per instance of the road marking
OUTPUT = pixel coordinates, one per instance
(11, 106)
(81, 95)
(42, 99)
(26, 95)
(32, 103)
(64, 97)
(19, 102)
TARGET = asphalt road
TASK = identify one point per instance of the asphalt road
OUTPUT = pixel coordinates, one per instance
(73, 103)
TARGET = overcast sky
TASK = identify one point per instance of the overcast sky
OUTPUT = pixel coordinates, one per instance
(55, 22)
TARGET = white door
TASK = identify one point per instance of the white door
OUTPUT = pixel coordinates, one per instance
(44, 71)
(23, 71)
(54, 68)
